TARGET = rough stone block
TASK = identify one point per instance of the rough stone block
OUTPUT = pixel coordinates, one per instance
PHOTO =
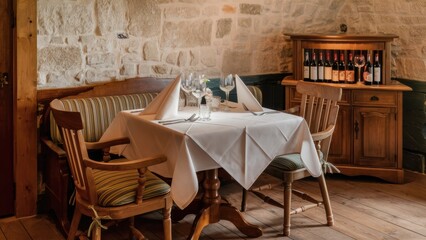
(129, 70)
(236, 62)
(151, 51)
(160, 69)
(187, 33)
(182, 59)
(101, 75)
(251, 9)
(224, 26)
(56, 59)
(111, 16)
(181, 12)
(100, 60)
(145, 18)
(208, 57)
(64, 18)
(244, 22)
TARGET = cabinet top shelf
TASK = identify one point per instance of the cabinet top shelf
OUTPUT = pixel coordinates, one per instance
(342, 37)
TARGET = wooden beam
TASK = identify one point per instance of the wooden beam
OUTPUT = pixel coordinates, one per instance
(25, 105)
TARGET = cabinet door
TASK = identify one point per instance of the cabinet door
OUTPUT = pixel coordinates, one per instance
(340, 149)
(375, 137)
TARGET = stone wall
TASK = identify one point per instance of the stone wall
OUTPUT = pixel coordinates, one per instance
(85, 41)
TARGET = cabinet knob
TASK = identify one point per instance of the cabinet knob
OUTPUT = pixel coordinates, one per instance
(374, 98)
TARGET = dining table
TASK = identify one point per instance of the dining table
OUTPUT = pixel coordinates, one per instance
(241, 143)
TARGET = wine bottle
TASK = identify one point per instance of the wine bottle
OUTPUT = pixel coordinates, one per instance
(320, 68)
(342, 68)
(368, 71)
(327, 67)
(350, 70)
(377, 72)
(306, 68)
(335, 69)
(313, 68)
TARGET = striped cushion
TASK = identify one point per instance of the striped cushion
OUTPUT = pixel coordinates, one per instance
(98, 112)
(116, 188)
(257, 93)
(286, 162)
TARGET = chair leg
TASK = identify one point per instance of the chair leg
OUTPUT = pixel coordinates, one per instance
(244, 200)
(326, 200)
(287, 207)
(74, 224)
(96, 232)
(167, 223)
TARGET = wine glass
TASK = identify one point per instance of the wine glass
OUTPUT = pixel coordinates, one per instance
(227, 83)
(359, 62)
(186, 84)
(186, 80)
(199, 88)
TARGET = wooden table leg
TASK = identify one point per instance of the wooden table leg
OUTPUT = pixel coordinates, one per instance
(213, 209)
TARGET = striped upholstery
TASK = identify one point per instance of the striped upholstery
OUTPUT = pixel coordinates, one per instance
(287, 162)
(257, 93)
(116, 188)
(92, 108)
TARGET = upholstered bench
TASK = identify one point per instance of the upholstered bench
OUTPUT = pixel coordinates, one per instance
(98, 112)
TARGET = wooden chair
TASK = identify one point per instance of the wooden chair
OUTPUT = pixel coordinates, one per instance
(115, 190)
(319, 108)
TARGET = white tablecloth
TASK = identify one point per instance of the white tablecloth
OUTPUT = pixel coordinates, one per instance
(240, 143)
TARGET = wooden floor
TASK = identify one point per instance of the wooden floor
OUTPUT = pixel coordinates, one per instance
(364, 208)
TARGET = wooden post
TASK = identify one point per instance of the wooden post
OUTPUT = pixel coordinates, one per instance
(25, 106)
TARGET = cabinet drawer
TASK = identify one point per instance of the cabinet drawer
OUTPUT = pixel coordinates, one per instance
(375, 98)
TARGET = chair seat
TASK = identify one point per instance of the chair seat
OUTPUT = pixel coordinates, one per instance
(286, 162)
(117, 188)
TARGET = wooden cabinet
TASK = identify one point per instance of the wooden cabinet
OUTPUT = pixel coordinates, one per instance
(368, 137)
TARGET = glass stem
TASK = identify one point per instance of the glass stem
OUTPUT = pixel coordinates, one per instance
(227, 98)
(359, 75)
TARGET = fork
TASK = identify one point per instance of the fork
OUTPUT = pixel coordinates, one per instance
(258, 114)
(193, 118)
(177, 120)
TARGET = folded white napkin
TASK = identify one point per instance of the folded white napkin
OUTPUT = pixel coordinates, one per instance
(166, 104)
(245, 96)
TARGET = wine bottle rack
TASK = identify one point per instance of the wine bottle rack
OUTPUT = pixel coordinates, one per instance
(356, 44)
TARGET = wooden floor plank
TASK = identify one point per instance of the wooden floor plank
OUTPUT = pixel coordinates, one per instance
(32, 226)
(2, 236)
(364, 208)
(369, 216)
(408, 210)
(14, 230)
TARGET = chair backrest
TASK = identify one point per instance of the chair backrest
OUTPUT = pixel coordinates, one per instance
(320, 109)
(70, 127)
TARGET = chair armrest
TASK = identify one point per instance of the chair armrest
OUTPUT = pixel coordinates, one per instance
(323, 134)
(293, 110)
(125, 165)
(55, 148)
(107, 144)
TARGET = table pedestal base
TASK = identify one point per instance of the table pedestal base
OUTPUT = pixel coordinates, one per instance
(211, 209)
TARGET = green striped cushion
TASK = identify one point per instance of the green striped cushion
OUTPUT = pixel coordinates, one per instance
(116, 188)
(286, 162)
(92, 109)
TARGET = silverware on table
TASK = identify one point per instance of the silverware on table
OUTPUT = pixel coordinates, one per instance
(165, 122)
(258, 114)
